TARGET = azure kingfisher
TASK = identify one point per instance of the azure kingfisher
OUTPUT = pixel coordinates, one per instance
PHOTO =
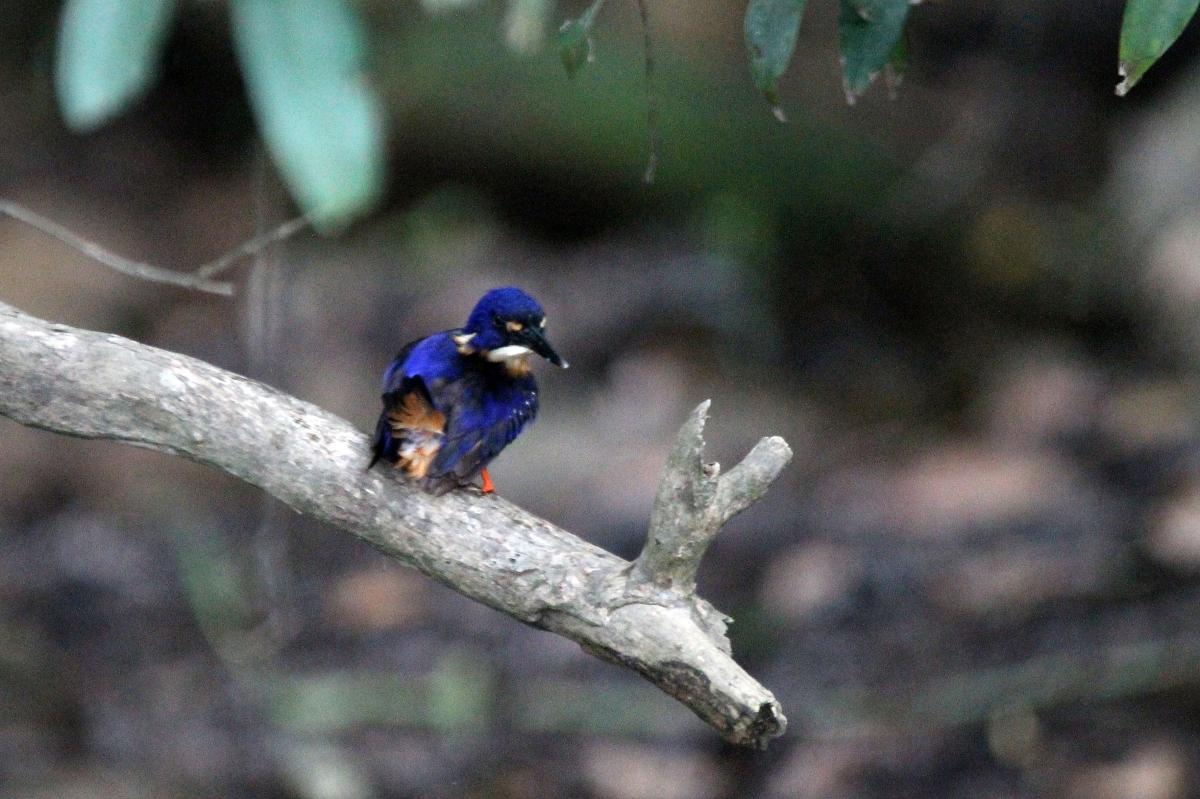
(453, 400)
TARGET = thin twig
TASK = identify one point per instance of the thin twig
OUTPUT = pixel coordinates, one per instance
(653, 129)
(199, 280)
(113, 261)
(252, 246)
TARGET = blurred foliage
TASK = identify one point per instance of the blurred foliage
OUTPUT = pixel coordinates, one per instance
(871, 32)
(108, 55)
(1149, 28)
(574, 39)
(455, 696)
(303, 62)
(303, 65)
(771, 30)
(525, 24)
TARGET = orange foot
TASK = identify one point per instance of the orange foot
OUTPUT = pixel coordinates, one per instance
(488, 488)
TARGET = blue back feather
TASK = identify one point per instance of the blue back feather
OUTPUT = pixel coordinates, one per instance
(485, 408)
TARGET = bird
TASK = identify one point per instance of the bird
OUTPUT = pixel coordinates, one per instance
(453, 400)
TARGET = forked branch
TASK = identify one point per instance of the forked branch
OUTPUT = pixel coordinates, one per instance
(202, 279)
(695, 500)
(95, 385)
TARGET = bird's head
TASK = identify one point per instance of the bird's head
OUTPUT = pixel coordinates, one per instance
(507, 324)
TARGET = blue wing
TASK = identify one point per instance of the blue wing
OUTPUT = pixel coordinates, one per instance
(406, 391)
(487, 415)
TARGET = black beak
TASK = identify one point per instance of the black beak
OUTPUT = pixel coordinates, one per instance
(537, 342)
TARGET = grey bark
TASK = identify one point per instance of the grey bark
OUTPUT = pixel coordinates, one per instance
(694, 500)
(96, 385)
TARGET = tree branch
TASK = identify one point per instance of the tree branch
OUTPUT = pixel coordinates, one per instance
(694, 500)
(252, 246)
(95, 385)
(199, 280)
(155, 274)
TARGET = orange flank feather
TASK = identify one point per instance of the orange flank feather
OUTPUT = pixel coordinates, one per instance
(420, 426)
(415, 413)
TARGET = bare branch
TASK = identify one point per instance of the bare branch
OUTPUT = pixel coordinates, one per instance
(252, 247)
(694, 500)
(95, 385)
(97, 253)
(747, 483)
(199, 280)
(653, 129)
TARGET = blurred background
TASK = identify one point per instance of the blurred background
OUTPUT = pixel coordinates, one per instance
(971, 310)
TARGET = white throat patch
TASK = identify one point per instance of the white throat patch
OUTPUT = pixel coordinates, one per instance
(508, 352)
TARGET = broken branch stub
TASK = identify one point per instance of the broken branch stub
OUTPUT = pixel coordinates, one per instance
(695, 500)
(95, 385)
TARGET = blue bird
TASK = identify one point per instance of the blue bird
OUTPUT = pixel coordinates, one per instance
(453, 400)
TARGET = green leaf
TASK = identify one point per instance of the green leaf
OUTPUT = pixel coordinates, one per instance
(447, 6)
(771, 30)
(574, 39)
(108, 53)
(870, 33)
(525, 24)
(1148, 29)
(323, 123)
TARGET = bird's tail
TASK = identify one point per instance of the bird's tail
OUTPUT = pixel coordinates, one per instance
(382, 442)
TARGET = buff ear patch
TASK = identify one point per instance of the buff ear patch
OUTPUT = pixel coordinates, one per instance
(518, 367)
(463, 342)
(514, 327)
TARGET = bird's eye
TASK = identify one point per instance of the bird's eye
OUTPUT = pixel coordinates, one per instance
(514, 327)
(542, 324)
